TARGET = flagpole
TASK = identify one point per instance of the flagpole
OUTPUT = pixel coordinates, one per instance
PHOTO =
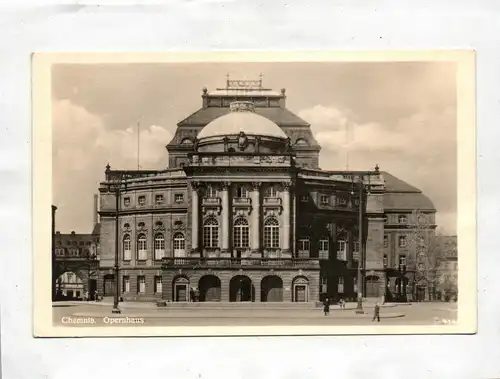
(138, 145)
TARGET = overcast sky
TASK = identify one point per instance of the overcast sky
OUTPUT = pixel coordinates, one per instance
(402, 116)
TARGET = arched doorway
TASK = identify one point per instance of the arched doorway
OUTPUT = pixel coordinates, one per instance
(180, 289)
(300, 289)
(372, 286)
(109, 285)
(271, 288)
(241, 289)
(210, 288)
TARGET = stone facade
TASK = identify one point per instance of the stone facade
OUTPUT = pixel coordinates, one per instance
(245, 214)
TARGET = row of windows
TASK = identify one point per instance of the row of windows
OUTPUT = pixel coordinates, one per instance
(74, 243)
(241, 191)
(159, 199)
(141, 284)
(179, 245)
(337, 200)
(402, 241)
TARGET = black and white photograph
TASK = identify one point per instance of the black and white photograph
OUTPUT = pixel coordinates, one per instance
(319, 195)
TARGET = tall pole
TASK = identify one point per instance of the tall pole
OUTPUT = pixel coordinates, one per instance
(54, 271)
(359, 308)
(116, 309)
(138, 144)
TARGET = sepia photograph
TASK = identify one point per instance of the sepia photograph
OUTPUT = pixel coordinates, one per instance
(245, 193)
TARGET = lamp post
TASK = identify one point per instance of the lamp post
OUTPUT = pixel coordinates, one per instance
(115, 181)
(54, 277)
(359, 308)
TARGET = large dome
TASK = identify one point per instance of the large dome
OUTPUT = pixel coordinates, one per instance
(242, 118)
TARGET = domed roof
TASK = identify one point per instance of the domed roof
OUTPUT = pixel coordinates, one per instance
(242, 118)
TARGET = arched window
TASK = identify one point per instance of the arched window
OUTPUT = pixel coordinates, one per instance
(179, 245)
(301, 141)
(271, 233)
(187, 141)
(159, 246)
(271, 192)
(127, 250)
(211, 233)
(240, 233)
(142, 243)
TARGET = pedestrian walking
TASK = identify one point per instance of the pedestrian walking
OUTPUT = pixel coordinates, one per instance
(96, 295)
(376, 312)
(326, 306)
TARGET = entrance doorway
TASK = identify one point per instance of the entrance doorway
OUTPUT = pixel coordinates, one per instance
(241, 289)
(272, 288)
(300, 290)
(109, 285)
(372, 286)
(181, 289)
(210, 288)
(421, 290)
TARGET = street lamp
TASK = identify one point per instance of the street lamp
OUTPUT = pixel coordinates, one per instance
(359, 308)
(115, 182)
(54, 271)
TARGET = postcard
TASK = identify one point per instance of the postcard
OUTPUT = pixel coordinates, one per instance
(254, 193)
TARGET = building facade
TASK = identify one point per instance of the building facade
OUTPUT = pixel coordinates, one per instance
(76, 261)
(244, 213)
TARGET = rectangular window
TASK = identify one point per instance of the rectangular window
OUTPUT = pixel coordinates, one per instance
(126, 201)
(324, 285)
(141, 200)
(386, 241)
(340, 286)
(355, 284)
(141, 284)
(159, 199)
(323, 249)
(341, 200)
(385, 260)
(402, 241)
(304, 199)
(402, 260)
(126, 284)
(179, 198)
(158, 284)
(341, 250)
(325, 200)
(304, 248)
(402, 219)
(241, 191)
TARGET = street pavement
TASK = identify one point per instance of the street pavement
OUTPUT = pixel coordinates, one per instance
(146, 314)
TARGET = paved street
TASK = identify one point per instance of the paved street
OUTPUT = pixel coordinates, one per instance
(82, 314)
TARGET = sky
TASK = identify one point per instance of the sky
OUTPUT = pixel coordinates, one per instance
(399, 115)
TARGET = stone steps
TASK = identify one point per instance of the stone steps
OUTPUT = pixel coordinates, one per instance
(241, 305)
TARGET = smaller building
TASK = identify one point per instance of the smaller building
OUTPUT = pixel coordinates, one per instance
(76, 262)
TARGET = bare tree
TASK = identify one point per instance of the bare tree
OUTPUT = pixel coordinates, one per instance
(426, 250)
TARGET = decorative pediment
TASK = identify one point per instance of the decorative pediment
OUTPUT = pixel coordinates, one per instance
(141, 226)
(126, 227)
(159, 226)
(179, 225)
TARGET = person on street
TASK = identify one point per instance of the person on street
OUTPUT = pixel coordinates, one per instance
(326, 306)
(376, 312)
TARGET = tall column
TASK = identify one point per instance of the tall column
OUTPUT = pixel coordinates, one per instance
(255, 221)
(225, 217)
(286, 218)
(194, 216)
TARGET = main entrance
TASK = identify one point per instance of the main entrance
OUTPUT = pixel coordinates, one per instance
(210, 288)
(109, 285)
(241, 289)
(372, 286)
(181, 289)
(271, 288)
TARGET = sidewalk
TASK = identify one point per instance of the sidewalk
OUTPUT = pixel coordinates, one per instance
(171, 313)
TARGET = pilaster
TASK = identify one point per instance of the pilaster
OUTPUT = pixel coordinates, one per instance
(225, 217)
(255, 217)
(286, 217)
(194, 216)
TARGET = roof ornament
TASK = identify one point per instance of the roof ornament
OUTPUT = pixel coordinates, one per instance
(377, 168)
(242, 106)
